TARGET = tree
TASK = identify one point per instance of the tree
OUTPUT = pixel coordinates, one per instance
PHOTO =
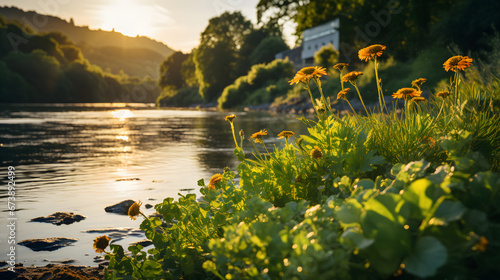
(171, 71)
(214, 69)
(216, 57)
(189, 71)
(267, 49)
(404, 26)
(326, 56)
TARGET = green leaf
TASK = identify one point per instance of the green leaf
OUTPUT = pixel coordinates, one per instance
(423, 194)
(355, 239)
(428, 255)
(383, 222)
(239, 153)
(349, 213)
(450, 211)
(309, 139)
(365, 184)
(201, 183)
(151, 268)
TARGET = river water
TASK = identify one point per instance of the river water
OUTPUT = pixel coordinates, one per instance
(81, 158)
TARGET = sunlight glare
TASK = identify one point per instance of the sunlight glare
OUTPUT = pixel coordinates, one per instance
(122, 137)
(133, 17)
(122, 114)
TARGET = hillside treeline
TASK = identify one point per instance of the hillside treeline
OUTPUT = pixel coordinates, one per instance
(49, 67)
(112, 51)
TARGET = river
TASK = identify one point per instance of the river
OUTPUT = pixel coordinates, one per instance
(81, 158)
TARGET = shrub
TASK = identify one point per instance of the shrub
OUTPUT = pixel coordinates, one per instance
(260, 77)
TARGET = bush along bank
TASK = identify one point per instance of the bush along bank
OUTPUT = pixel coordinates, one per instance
(377, 196)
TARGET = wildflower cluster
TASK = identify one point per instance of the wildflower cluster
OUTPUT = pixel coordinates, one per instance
(380, 196)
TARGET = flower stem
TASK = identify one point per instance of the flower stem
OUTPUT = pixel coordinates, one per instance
(379, 89)
(323, 99)
(360, 98)
(312, 100)
(234, 135)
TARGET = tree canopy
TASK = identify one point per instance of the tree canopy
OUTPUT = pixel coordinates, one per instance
(217, 55)
(405, 26)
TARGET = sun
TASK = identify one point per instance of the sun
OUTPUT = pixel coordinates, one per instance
(132, 17)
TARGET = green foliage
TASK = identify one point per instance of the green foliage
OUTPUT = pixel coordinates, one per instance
(326, 56)
(185, 96)
(48, 67)
(411, 195)
(170, 71)
(37, 69)
(112, 51)
(263, 83)
(216, 56)
(405, 26)
(267, 49)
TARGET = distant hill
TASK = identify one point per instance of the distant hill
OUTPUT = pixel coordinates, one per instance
(112, 51)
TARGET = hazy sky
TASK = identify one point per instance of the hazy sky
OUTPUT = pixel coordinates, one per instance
(177, 23)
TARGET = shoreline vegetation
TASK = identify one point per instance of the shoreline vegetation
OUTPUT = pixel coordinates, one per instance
(412, 194)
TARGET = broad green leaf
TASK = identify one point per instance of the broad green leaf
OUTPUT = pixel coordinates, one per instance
(428, 255)
(350, 212)
(383, 223)
(355, 239)
(423, 194)
(450, 211)
(365, 184)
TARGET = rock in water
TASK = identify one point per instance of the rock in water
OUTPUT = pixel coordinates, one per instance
(120, 208)
(48, 244)
(143, 243)
(60, 218)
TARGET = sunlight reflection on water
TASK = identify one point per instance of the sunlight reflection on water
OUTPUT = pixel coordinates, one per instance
(81, 159)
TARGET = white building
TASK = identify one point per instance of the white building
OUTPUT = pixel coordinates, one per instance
(318, 36)
(313, 39)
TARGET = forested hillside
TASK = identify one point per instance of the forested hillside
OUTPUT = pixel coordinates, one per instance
(112, 51)
(49, 67)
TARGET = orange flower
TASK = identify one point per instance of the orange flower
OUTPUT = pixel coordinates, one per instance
(481, 244)
(258, 136)
(134, 210)
(340, 66)
(371, 52)
(418, 82)
(285, 134)
(100, 243)
(230, 118)
(342, 93)
(214, 180)
(307, 73)
(443, 94)
(457, 62)
(430, 141)
(316, 153)
(418, 99)
(351, 76)
(406, 93)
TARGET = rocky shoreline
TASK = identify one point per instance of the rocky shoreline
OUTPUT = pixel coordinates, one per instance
(53, 271)
(303, 105)
(64, 269)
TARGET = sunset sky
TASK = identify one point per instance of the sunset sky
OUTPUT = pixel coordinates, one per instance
(176, 23)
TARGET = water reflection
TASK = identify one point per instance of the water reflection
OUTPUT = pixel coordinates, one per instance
(122, 114)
